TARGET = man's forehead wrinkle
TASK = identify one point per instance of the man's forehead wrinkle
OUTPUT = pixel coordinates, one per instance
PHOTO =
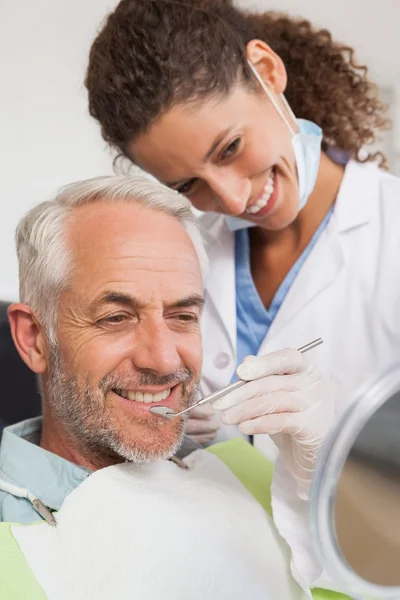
(158, 258)
(155, 264)
(193, 275)
(155, 270)
(141, 250)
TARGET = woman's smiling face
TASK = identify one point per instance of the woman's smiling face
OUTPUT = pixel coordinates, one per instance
(231, 155)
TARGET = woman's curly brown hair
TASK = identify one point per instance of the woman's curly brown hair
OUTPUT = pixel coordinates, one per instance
(152, 54)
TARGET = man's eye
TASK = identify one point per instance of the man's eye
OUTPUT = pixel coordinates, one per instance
(231, 149)
(188, 317)
(114, 319)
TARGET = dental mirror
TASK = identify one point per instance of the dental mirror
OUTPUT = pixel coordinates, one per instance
(355, 495)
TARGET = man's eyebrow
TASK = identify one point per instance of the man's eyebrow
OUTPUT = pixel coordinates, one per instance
(194, 300)
(111, 297)
(115, 298)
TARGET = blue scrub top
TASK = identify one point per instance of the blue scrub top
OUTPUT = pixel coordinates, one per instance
(252, 318)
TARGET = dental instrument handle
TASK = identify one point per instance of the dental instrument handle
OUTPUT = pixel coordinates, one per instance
(237, 384)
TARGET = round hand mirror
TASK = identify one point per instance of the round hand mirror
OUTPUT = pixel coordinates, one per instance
(355, 496)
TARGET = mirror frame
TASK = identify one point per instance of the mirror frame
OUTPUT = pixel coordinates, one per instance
(368, 399)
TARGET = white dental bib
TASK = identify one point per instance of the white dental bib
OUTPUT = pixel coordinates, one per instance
(157, 531)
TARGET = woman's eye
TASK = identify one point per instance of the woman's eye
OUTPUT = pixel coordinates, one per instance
(231, 149)
(187, 187)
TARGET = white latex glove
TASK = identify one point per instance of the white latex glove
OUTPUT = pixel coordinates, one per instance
(203, 425)
(288, 399)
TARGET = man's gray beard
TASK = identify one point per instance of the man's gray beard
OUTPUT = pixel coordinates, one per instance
(81, 410)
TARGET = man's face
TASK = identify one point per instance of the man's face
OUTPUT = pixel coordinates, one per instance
(128, 333)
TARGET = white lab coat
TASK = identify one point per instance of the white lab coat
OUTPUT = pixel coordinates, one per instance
(347, 292)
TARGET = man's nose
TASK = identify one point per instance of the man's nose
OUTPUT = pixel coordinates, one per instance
(232, 191)
(155, 348)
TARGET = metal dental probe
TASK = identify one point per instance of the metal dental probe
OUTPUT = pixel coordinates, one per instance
(164, 411)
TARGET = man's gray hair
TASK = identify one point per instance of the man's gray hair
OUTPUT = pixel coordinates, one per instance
(45, 262)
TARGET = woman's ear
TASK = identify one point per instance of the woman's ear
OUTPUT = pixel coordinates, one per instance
(29, 337)
(269, 65)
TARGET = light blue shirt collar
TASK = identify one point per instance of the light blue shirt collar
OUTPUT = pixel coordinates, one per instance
(24, 463)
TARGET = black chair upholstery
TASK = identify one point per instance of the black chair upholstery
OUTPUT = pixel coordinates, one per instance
(19, 397)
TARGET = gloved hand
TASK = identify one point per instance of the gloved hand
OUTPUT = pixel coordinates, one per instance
(288, 399)
(203, 425)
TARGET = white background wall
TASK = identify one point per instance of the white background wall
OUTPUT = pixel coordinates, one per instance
(47, 138)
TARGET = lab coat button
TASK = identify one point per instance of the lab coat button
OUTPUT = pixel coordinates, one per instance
(221, 360)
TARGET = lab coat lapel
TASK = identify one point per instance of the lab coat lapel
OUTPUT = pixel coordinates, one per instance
(220, 285)
(312, 279)
(314, 276)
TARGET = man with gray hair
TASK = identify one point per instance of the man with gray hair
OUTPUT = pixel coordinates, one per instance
(111, 296)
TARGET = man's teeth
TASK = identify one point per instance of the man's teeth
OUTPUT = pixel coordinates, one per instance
(263, 201)
(144, 397)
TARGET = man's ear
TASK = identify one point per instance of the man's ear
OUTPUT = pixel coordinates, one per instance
(29, 337)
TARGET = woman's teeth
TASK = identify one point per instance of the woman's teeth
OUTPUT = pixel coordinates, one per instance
(144, 397)
(263, 201)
